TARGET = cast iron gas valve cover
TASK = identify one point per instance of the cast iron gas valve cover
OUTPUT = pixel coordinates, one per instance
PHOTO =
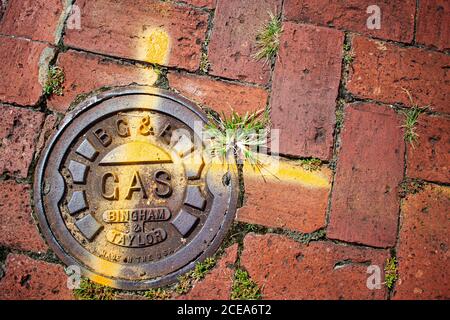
(125, 191)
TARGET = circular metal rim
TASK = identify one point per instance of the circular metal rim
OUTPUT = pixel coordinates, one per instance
(40, 211)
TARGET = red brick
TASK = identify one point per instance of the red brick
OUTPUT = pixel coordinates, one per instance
(19, 129)
(365, 204)
(219, 95)
(433, 24)
(33, 19)
(217, 284)
(275, 202)
(47, 129)
(397, 17)
(17, 227)
(20, 68)
(429, 159)
(107, 28)
(87, 72)
(210, 4)
(28, 279)
(285, 269)
(305, 87)
(423, 253)
(380, 71)
(233, 40)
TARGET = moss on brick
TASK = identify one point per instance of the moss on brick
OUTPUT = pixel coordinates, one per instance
(244, 288)
(89, 290)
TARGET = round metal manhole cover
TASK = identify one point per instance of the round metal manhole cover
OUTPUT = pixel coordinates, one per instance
(125, 191)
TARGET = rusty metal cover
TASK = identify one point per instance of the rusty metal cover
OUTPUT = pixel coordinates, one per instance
(124, 191)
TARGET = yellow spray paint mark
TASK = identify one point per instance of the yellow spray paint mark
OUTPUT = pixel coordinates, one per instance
(275, 169)
(106, 268)
(154, 46)
(128, 152)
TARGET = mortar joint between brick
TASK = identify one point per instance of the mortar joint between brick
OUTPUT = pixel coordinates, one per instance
(47, 256)
(341, 99)
(187, 5)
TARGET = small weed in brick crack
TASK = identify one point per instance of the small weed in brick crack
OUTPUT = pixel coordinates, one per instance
(162, 81)
(204, 63)
(244, 288)
(411, 119)
(268, 39)
(54, 82)
(390, 272)
(347, 54)
(89, 290)
(311, 164)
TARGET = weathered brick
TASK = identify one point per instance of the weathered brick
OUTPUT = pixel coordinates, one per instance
(433, 24)
(217, 284)
(219, 95)
(86, 72)
(47, 129)
(19, 129)
(380, 71)
(23, 67)
(423, 252)
(162, 33)
(210, 4)
(429, 158)
(287, 196)
(365, 204)
(397, 17)
(285, 269)
(305, 87)
(33, 19)
(233, 39)
(28, 279)
(17, 227)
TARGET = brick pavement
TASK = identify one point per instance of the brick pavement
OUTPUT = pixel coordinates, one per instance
(336, 91)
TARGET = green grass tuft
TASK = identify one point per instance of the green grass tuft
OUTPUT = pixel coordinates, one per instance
(54, 82)
(268, 39)
(244, 288)
(411, 119)
(390, 272)
(201, 269)
(204, 63)
(89, 290)
(184, 284)
(238, 135)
